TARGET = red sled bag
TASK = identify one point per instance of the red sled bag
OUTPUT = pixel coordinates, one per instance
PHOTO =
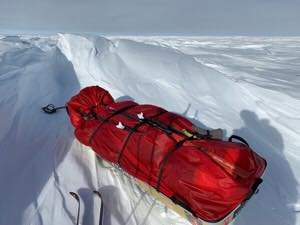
(206, 176)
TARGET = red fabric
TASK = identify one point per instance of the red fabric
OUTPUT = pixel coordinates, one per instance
(211, 177)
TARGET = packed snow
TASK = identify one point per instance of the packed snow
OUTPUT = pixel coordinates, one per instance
(247, 86)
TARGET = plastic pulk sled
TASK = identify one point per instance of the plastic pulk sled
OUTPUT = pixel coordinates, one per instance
(203, 178)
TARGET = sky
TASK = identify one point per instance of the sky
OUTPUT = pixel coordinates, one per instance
(153, 17)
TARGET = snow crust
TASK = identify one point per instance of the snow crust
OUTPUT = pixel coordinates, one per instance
(247, 86)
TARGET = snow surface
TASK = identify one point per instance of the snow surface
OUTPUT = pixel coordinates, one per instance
(247, 86)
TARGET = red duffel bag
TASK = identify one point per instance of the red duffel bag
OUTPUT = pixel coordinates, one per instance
(206, 176)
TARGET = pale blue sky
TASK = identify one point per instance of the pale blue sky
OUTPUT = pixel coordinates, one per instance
(153, 17)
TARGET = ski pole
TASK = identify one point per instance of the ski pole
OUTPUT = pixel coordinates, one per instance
(76, 196)
(101, 207)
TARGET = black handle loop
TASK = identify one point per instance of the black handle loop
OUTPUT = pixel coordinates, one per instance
(238, 138)
(50, 108)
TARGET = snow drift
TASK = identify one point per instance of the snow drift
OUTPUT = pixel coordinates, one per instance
(247, 86)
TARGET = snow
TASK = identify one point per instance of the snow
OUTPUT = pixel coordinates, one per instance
(247, 86)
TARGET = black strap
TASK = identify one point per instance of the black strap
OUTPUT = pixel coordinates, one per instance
(167, 156)
(254, 188)
(238, 138)
(152, 158)
(181, 203)
(153, 123)
(253, 191)
(159, 125)
(166, 128)
(116, 112)
(126, 141)
(131, 132)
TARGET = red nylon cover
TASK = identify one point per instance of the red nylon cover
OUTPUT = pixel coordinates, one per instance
(211, 177)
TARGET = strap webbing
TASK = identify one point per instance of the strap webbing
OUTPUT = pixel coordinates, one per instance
(167, 156)
(238, 138)
(116, 112)
(131, 132)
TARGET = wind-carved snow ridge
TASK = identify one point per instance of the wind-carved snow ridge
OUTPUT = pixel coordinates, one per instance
(247, 86)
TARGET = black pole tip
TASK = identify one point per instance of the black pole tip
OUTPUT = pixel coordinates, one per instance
(97, 193)
(74, 195)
